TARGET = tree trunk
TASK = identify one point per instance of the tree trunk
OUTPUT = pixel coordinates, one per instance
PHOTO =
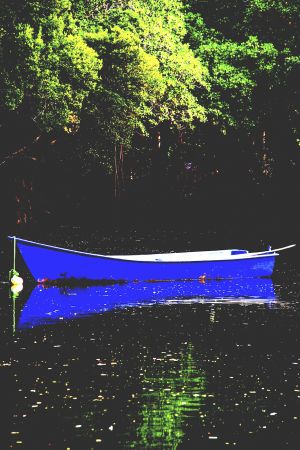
(118, 170)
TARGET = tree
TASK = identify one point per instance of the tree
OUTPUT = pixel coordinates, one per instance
(159, 29)
(122, 103)
(150, 77)
(48, 70)
(253, 69)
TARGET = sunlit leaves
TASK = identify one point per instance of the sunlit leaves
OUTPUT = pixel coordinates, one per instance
(149, 76)
(130, 82)
(48, 65)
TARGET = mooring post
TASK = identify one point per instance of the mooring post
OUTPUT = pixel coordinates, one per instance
(13, 271)
(14, 262)
(14, 277)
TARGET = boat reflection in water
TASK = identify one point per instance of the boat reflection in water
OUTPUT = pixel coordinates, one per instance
(52, 304)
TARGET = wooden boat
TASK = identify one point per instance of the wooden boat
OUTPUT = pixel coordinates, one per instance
(46, 262)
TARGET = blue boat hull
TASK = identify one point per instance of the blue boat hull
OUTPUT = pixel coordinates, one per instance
(51, 263)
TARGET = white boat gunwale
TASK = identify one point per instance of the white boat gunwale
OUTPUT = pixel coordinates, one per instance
(157, 259)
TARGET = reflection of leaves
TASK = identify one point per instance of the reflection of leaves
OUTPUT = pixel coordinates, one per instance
(173, 390)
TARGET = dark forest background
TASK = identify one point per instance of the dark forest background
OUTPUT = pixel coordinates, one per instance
(151, 113)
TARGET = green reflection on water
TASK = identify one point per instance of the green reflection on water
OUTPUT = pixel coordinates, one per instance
(173, 392)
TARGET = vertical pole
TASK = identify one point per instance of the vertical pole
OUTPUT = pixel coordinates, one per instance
(14, 266)
(13, 271)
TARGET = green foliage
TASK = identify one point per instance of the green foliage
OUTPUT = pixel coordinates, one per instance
(235, 69)
(162, 31)
(171, 71)
(48, 68)
(150, 75)
(117, 68)
(277, 21)
(122, 103)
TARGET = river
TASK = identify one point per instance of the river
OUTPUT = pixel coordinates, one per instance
(180, 365)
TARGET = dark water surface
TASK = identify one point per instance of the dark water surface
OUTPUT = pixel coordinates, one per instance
(146, 365)
(184, 365)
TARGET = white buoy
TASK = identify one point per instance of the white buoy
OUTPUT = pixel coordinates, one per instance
(16, 281)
